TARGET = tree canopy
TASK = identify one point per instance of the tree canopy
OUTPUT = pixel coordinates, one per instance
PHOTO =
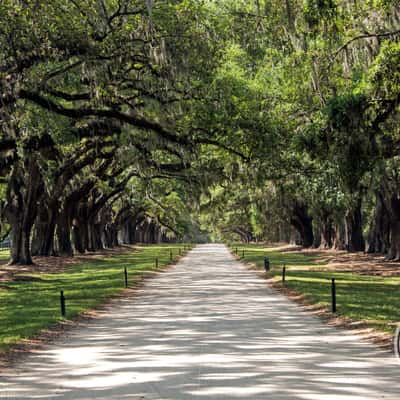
(139, 120)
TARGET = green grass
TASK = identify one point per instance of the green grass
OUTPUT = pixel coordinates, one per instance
(373, 299)
(4, 254)
(256, 253)
(28, 307)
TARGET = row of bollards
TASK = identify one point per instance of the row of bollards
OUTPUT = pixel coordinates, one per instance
(333, 288)
(62, 297)
(267, 268)
(237, 252)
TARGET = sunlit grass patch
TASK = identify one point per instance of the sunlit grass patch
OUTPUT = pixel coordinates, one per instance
(373, 299)
(4, 254)
(26, 307)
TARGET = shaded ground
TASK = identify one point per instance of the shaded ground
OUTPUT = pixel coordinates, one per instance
(206, 329)
(53, 265)
(342, 261)
(360, 263)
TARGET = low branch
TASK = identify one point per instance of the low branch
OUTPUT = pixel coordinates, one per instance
(79, 113)
(365, 36)
(222, 146)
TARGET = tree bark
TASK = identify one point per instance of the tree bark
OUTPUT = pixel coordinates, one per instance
(23, 194)
(64, 234)
(43, 237)
(353, 225)
(326, 231)
(394, 250)
(302, 222)
(339, 241)
(379, 233)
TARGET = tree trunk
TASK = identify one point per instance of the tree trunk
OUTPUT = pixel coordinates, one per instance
(302, 222)
(20, 250)
(77, 239)
(339, 242)
(129, 231)
(43, 237)
(353, 225)
(83, 228)
(146, 229)
(394, 250)
(317, 236)
(326, 231)
(110, 234)
(379, 233)
(23, 194)
(94, 236)
(64, 233)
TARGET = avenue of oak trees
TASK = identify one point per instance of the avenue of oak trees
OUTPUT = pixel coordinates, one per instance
(318, 82)
(128, 121)
(93, 99)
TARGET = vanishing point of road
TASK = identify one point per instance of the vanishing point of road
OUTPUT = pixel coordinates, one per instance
(207, 328)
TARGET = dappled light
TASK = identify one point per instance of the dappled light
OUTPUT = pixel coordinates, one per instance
(85, 285)
(208, 328)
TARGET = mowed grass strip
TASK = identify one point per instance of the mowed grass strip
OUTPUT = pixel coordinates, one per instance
(373, 299)
(4, 254)
(27, 307)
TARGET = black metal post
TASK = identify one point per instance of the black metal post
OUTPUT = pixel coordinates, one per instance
(126, 277)
(170, 255)
(266, 264)
(156, 263)
(333, 293)
(242, 253)
(62, 303)
(284, 274)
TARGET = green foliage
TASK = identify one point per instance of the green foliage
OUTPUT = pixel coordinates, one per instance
(314, 10)
(240, 109)
(384, 76)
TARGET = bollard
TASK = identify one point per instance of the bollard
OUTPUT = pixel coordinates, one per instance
(156, 263)
(266, 264)
(126, 277)
(242, 253)
(62, 303)
(333, 293)
(170, 255)
(284, 274)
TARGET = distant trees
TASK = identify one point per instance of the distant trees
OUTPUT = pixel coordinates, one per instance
(324, 150)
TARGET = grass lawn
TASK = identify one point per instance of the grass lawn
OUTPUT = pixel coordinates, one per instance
(26, 307)
(4, 254)
(373, 299)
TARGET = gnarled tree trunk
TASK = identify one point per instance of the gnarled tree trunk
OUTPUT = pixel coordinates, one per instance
(23, 194)
(353, 227)
(44, 230)
(379, 233)
(302, 222)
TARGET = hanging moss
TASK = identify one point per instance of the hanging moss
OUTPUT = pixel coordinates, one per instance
(315, 10)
